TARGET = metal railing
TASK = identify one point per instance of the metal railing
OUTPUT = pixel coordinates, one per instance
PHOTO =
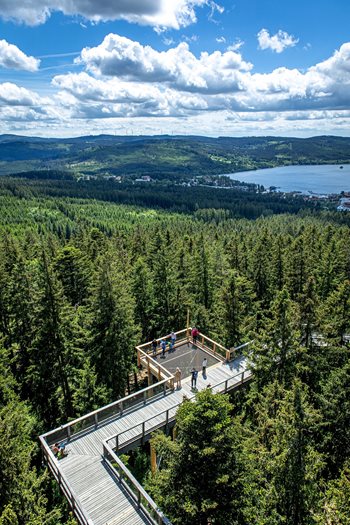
(106, 413)
(72, 499)
(182, 336)
(141, 430)
(142, 499)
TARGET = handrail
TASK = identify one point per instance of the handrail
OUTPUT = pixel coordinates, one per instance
(64, 484)
(156, 364)
(232, 351)
(94, 414)
(141, 494)
(163, 337)
(224, 354)
(243, 378)
(211, 340)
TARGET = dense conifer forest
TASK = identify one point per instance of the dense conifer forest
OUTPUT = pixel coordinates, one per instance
(83, 280)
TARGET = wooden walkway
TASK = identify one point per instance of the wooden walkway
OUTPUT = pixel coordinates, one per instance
(98, 496)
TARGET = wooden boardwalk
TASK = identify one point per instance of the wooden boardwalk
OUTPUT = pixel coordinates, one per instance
(88, 479)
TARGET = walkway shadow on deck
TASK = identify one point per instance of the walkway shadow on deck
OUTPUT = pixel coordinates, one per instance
(132, 501)
(236, 364)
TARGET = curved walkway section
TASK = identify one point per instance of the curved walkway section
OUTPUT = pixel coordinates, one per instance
(95, 489)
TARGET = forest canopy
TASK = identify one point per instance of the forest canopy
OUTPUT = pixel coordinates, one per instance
(83, 280)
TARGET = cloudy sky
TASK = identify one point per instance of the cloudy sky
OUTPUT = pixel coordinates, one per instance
(223, 67)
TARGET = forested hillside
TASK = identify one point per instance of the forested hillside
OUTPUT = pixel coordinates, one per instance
(83, 280)
(166, 157)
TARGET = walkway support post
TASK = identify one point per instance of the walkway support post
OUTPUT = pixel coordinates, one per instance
(188, 326)
(153, 459)
(149, 378)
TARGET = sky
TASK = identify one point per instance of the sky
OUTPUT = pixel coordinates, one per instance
(183, 67)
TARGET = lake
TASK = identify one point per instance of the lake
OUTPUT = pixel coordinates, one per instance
(320, 179)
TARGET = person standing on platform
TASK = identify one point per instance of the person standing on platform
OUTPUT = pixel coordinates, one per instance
(178, 378)
(204, 367)
(194, 375)
(195, 333)
(163, 345)
(154, 346)
(173, 338)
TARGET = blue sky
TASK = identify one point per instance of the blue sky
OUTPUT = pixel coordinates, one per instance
(245, 67)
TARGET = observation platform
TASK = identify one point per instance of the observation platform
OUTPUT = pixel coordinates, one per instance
(186, 357)
(98, 486)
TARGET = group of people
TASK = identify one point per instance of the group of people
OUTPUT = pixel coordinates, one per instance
(171, 345)
(59, 450)
(164, 345)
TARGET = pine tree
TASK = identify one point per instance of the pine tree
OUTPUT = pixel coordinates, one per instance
(113, 331)
(277, 349)
(198, 478)
(236, 311)
(72, 268)
(142, 288)
(51, 360)
(335, 314)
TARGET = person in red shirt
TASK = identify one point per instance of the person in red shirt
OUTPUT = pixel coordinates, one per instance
(195, 333)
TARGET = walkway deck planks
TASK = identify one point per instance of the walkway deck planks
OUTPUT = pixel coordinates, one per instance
(103, 499)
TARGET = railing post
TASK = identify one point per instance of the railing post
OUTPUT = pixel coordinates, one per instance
(121, 407)
(214, 348)
(69, 431)
(226, 382)
(117, 442)
(148, 372)
(166, 421)
(242, 378)
(138, 498)
(143, 431)
(96, 419)
(144, 398)
(138, 358)
(164, 389)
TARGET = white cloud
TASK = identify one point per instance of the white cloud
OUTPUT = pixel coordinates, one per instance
(158, 13)
(13, 95)
(91, 97)
(236, 45)
(11, 57)
(221, 39)
(278, 42)
(177, 67)
(18, 104)
(215, 93)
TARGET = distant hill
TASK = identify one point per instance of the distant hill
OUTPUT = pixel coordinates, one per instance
(165, 156)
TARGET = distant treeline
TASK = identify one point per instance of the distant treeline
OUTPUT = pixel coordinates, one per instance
(175, 198)
(44, 175)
